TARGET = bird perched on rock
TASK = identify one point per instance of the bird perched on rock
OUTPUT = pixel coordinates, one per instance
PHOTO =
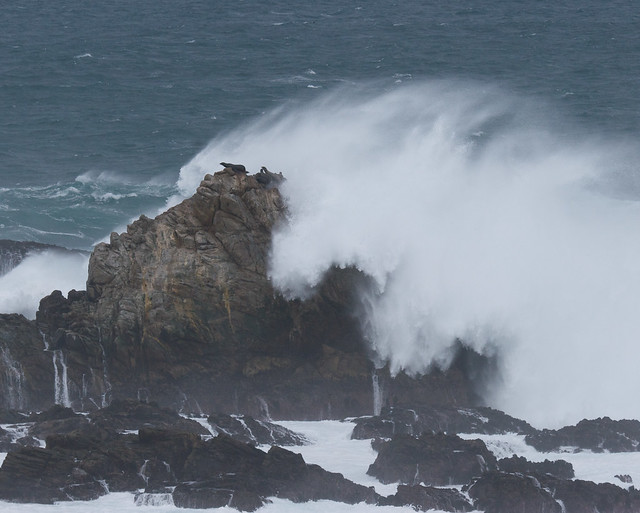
(236, 168)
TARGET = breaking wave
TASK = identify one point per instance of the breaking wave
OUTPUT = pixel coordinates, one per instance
(23, 286)
(480, 218)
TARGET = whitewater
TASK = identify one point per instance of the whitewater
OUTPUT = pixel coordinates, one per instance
(332, 448)
(477, 221)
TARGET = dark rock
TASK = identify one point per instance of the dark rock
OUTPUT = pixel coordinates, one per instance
(56, 412)
(499, 492)
(558, 468)
(438, 460)
(437, 419)
(179, 309)
(250, 430)
(625, 478)
(425, 498)
(596, 435)
(26, 371)
(131, 415)
(45, 476)
(207, 494)
(578, 496)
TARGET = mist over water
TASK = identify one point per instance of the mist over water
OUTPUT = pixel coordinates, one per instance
(479, 221)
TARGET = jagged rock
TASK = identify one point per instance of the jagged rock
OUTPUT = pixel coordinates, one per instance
(433, 459)
(208, 494)
(13, 417)
(247, 429)
(596, 435)
(77, 466)
(499, 492)
(426, 498)
(558, 468)
(578, 496)
(179, 310)
(436, 419)
(278, 473)
(625, 478)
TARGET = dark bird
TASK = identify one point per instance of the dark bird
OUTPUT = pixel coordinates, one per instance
(236, 168)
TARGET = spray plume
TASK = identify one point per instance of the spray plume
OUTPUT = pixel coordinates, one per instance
(476, 221)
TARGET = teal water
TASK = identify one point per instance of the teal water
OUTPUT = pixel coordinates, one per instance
(103, 102)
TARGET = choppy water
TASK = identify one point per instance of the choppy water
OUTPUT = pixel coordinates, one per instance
(103, 103)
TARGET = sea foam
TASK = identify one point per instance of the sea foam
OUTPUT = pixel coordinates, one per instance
(478, 219)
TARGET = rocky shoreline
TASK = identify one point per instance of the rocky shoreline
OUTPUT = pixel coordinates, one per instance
(220, 460)
(179, 319)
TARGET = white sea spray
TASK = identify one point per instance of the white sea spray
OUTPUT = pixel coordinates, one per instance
(478, 220)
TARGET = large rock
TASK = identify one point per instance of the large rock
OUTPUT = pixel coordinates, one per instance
(500, 492)
(179, 310)
(436, 419)
(433, 459)
(595, 435)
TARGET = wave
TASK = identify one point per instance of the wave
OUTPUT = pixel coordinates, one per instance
(478, 220)
(22, 288)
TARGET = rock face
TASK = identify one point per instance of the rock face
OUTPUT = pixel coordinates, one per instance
(180, 310)
(26, 370)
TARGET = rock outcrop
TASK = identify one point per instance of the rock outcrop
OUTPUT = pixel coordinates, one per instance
(180, 310)
(433, 459)
(595, 435)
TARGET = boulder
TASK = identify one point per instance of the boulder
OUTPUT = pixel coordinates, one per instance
(180, 310)
(426, 498)
(557, 468)
(500, 492)
(433, 459)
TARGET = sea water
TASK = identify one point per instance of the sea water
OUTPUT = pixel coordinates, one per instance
(480, 162)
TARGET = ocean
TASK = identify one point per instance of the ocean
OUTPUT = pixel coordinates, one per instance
(478, 160)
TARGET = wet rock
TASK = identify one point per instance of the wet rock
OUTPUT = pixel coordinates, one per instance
(131, 415)
(500, 492)
(581, 496)
(426, 498)
(598, 435)
(436, 419)
(257, 432)
(209, 494)
(557, 468)
(433, 459)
